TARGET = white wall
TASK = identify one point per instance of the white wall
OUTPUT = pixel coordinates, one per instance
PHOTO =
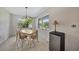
(66, 17)
(4, 24)
(12, 26)
(8, 23)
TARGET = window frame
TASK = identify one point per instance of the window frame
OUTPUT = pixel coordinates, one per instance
(42, 20)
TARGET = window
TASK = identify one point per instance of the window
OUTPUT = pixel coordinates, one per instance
(43, 23)
(25, 22)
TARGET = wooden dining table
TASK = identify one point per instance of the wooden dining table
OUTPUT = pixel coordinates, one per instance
(28, 33)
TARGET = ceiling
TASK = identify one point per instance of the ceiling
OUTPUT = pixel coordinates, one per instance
(31, 11)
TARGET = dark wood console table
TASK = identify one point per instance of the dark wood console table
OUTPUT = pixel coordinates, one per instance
(56, 41)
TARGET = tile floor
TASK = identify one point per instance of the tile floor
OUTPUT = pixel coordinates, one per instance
(11, 45)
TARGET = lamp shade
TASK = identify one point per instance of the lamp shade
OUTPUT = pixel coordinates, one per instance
(55, 22)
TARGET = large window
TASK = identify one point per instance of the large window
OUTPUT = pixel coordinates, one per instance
(43, 23)
(25, 22)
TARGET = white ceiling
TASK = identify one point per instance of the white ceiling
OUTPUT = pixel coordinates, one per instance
(31, 11)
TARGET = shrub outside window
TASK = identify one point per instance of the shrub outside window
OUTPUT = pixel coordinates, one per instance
(43, 23)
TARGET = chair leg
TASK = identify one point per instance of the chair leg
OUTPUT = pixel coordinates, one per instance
(37, 39)
(29, 43)
(22, 45)
(16, 43)
(33, 42)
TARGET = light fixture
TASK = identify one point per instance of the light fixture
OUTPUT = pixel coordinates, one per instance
(26, 16)
(26, 11)
(27, 20)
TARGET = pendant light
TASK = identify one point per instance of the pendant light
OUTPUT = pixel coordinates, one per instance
(26, 12)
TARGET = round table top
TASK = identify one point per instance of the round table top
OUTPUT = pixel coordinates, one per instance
(27, 31)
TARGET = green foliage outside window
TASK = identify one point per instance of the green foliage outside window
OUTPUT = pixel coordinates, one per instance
(24, 23)
(44, 23)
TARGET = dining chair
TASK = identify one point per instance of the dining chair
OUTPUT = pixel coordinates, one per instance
(21, 36)
(17, 36)
(34, 37)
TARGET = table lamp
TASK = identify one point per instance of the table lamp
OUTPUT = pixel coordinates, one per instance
(55, 23)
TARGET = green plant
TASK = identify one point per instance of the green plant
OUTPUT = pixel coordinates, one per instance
(44, 25)
(25, 22)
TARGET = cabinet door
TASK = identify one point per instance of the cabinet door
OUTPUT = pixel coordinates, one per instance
(54, 43)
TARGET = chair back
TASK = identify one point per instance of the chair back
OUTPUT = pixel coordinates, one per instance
(34, 34)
